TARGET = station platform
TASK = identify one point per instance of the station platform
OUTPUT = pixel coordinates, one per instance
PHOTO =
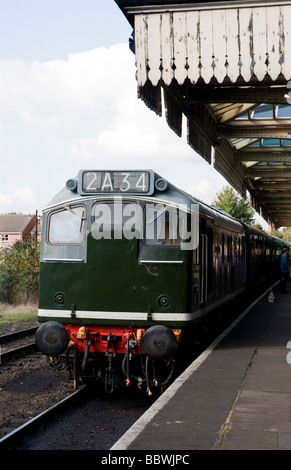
(235, 396)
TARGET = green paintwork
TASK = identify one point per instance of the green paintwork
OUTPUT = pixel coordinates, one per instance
(113, 280)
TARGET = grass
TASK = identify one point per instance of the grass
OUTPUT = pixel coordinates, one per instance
(16, 317)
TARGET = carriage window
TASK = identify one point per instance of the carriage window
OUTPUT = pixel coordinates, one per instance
(229, 248)
(222, 249)
(163, 226)
(67, 226)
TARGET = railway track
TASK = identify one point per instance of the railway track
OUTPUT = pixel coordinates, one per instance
(29, 389)
(17, 334)
(16, 344)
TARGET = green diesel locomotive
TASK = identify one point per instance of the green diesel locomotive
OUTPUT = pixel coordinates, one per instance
(128, 263)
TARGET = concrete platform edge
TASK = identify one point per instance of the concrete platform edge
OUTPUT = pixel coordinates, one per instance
(131, 434)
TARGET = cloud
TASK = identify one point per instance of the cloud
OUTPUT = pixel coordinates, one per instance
(21, 198)
(204, 190)
(83, 112)
(78, 93)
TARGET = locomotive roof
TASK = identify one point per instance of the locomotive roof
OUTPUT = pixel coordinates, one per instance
(170, 195)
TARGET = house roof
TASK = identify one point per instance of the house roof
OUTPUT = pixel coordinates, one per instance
(14, 223)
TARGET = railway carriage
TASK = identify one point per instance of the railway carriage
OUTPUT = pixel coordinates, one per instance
(129, 263)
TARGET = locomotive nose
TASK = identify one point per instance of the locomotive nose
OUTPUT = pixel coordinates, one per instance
(159, 342)
(52, 338)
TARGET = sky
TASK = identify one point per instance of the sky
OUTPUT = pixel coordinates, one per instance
(68, 101)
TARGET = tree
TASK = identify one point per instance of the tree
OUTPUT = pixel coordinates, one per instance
(229, 201)
(285, 234)
(19, 272)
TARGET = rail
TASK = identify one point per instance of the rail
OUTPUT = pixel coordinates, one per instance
(5, 340)
(9, 439)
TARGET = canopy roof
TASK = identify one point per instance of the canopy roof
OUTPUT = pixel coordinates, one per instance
(226, 66)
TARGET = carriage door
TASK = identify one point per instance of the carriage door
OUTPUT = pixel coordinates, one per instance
(206, 239)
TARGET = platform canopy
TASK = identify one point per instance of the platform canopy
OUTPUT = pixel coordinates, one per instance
(226, 66)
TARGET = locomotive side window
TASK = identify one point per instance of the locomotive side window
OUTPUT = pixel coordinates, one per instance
(66, 226)
(163, 225)
(222, 249)
(235, 249)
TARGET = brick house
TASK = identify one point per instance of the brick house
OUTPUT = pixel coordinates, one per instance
(15, 227)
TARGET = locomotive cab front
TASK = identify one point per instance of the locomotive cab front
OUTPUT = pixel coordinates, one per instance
(116, 273)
